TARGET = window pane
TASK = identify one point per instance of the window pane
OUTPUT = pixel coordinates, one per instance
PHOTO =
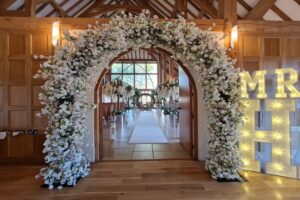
(113, 77)
(128, 79)
(116, 68)
(140, 81)
(140, 68)
(152, 67)
(151, 81)
(127, 67)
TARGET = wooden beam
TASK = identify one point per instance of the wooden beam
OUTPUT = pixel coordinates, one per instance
(96, 4)
(260, 9)
(227, 9)
(146, 5)
(280, 13)
(29, 8)
(61, 5)
(86, 5)
(98, 8)
(201, 14)
(274, 8)
(207, 6)
(57, 7)
(4, 4)
(180, 7)
(245, 5)
(161, 9)
(109, 8)
(44, 5)
(12, 13)
(298, 1)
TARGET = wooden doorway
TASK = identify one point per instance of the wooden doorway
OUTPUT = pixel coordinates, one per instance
(189, 135)
(186, 116)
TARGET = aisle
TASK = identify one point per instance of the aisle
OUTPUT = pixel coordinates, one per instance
(147, 130)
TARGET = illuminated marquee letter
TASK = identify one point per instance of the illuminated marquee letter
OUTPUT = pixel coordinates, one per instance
(258, 79)
(278, 136)
(289, 84)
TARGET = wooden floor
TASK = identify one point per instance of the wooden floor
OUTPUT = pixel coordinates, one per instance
(151, 180)
(117, 135)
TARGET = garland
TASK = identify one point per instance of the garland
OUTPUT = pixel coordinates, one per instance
(74, 69)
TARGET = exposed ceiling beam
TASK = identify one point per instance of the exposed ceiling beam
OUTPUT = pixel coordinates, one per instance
(96, 4)
(4, 4)
(166, 14)
(207, 6)
(61, 5)
(260, 9)
(146, 5)
(274, 8)
(280, 13)
(12, 13)
(108, 8)
(57, 7)
(44, 5)
(84, 7)
(98, 8)
(71, 8)
(245, 5)
(201, 14)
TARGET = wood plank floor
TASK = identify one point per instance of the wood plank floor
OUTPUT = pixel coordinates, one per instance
(150, 180)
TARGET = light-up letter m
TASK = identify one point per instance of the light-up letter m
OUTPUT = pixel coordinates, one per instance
(257, 80)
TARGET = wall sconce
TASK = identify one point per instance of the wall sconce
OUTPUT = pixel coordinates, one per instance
(55, 34)
(234, 36)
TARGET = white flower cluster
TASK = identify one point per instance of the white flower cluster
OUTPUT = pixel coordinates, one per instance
(119, 88)
(73, 69)
(168, 89)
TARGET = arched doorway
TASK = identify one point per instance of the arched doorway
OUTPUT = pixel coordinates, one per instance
(187, 122)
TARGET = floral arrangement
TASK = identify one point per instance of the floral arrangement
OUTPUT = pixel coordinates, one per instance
(168, 89)
(168, 92)
(118, 88)
(74, 69)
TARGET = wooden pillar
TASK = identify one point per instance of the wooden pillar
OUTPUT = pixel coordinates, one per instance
(227, 10)
(181, 8)
(161, 69)
(165, 68)
(30, 8)
(171, 68)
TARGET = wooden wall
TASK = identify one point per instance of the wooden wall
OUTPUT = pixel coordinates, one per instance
(20, 39)
(261, 45)
(268, 45)
(19, 93)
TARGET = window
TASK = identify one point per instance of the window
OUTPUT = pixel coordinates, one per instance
(141, 75)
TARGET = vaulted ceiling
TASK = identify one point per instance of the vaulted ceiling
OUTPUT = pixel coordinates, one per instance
(287, 10)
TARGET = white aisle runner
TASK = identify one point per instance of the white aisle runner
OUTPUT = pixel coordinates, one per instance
(147, 130)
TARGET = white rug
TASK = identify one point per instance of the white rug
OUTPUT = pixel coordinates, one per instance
(147, 130)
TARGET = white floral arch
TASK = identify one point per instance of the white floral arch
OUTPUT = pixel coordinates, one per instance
(74, 68)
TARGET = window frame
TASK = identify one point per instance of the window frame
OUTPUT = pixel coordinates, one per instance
(134, 73)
